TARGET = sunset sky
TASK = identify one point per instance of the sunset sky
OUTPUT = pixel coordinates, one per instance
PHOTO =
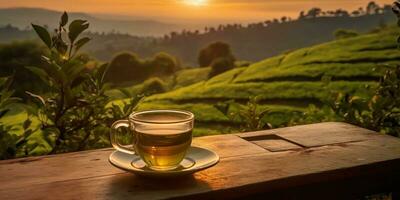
(191, 10)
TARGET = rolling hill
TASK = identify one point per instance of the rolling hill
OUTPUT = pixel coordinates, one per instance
(289, 83)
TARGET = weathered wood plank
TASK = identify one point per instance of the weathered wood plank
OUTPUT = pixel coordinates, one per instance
(228, 145)
(245, 168)
(80, 165)
(317, 134)
(324, 134)
(255, 173)
(276, 145)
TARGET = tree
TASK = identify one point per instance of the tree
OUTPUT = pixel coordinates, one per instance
(163, 64)
(341, 13)
(221, 65)
(372, 8)
(126, 67)
(302, 15)
(213, 51)
(314, 12)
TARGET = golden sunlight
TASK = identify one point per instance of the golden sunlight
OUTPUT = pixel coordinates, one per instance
(196, 2)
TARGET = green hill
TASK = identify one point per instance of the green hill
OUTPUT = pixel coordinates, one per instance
(287, 84)
(290, 82)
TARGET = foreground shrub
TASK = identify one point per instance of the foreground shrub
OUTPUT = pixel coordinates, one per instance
(380, 113)
(249, 116)
(11, 144)
(73, 114)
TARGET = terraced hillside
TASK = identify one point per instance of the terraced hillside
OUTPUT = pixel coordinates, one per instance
(286, 84)
(290, 82)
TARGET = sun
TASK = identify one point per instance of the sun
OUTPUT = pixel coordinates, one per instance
(195, 2)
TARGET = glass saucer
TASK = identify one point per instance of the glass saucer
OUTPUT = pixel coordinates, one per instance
(197, 159)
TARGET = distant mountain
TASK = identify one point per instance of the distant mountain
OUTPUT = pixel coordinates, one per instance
(22, 17)
(251, 42)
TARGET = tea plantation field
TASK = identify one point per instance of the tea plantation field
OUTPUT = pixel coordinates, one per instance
(288, 84)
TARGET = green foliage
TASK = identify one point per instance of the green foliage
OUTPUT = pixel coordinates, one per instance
(128, 67)
(213, 51)
(249, 115)
(14, 57)
(188, 77)
(295, 86)
(153, 86)
(220, 65)
(351, 57)
(73, 114)
(11, 144)
(123, 109)
(298, 91)
(343, 34)
(314, 114)
(163, 64)
(381, 112)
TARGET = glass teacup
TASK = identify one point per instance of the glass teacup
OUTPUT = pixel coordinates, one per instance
(160, 137)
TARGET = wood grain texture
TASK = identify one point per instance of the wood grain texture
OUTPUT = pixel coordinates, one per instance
(276, 145)
(245, 169)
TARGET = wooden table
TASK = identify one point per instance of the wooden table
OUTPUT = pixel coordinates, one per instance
(324, 161)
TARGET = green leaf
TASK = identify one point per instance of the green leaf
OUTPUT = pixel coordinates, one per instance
(102, 71)
(74, 71)
(39, 72)
(125, 92)
(27, 124)
(69, 96)
(78, 81)
(64, 19)
(79, 44)
(3, 112)
(43, 34)
(76, 28)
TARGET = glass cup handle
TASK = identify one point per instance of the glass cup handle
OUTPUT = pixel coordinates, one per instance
(114, 139)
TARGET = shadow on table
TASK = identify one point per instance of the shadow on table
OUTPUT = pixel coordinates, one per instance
(128, 185)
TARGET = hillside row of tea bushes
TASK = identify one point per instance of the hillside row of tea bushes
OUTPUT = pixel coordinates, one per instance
(288, 83)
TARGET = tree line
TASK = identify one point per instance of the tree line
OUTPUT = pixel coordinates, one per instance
(250, 42)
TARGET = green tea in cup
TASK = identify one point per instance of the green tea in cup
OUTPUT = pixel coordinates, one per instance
(160, 137)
